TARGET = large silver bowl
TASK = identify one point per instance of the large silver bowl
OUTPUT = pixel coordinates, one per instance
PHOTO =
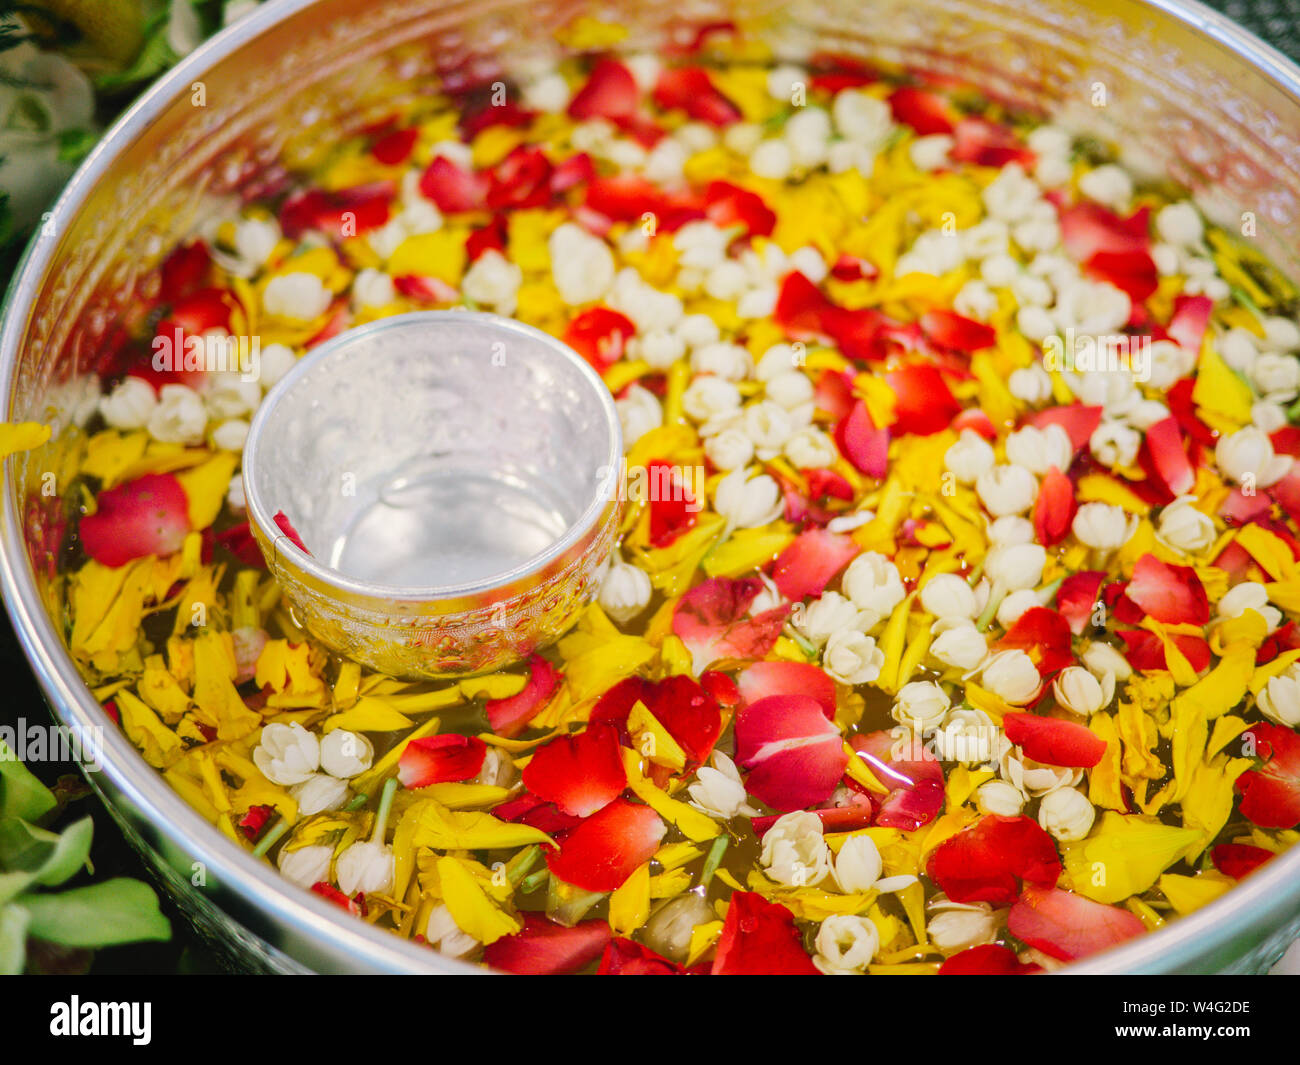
(1188, 94)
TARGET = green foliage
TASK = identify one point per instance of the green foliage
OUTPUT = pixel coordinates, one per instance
(34, 858)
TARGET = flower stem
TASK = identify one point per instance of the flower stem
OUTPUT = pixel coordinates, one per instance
(713, 860)
(269, 840)
(385, 805)
(996, 594)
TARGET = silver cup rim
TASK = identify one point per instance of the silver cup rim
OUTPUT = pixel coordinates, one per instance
(261, 516)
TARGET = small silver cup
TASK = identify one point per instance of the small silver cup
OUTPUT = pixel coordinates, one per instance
(450, 474)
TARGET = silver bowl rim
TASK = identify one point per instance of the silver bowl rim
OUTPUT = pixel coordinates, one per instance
(1267, 890)
(335, 347)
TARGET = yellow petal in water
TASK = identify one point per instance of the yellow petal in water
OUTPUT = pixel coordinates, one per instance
(1124, 855)
(1219, 391)
(747, 549)
(655, 742)
(1105, 782)
(444, 829)
(473, 911)
(369, 715)
(694, 825)
(1188, 893)
(703, 937)
(22, 436)
(440, 255)
(159, 744)
(629, 904)
(205, 487)
(110, 453)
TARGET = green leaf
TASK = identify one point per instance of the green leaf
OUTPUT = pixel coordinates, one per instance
(14, 884)
(75, 144)
(71, 853)
(13, 940)
(21, 794)
(100, 915)
(155, 57)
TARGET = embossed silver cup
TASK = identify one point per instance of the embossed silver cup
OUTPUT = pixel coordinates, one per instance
(448, 474)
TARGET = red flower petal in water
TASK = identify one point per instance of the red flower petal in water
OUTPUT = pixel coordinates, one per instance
(862, 443)
(238, 540)
(252, 823)
(763, 679)
(1238, 860)
(926, 112)
(857, 814)
(691, 89)
(951, 330)
(985, 143)
(579, 773)
(544, 948)
(606, 848)
(800, 307)
(1078, 421)
(689, 711)
(1054, 742)
(1173, 595)
(147, 516)
(914, 780)
(530, 810)
(812, 561)
(396, 147)
(183, 271)
(987, 861)
(509, 716)
(344, 213)
(1044, 635)
(1068, 926)
(794, 754)
(1133, 272)
(439, 759)
(610, 93)
(600, 336)
(728, 205)
(452, 188)
(427, 289)
(759, 938)
(721, 687)
(1146, 653)
(1189, 321)
(673, 509)
(1088, 229)
(1054, 508)
(491, 237)
(710, 621)
(925, 405)
(626, 957)
(1270, 795)
(522, 179)
(1164, 443)
(283, 523)
(574, 171)
(988, 959)
(329, 891)
(1077, 597)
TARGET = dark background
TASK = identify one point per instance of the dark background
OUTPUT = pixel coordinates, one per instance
(1277, 21)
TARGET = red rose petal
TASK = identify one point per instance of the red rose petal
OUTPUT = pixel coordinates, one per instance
(759, 938)
(1077, 597)
(988, 959)
(692, 90)
(709, 620)
(509, 716)
(811, 562)
(1053, 741)
(610, 93)
(1044, 635)
(763, 679)
(283, 523)
(1239, 860)
(579, 773)
(606, 848)
(986, 862)
(439, 759)
(673, 510)
(1054, 508)
(146, 516)
(452, 188)
(926, 112)
(544, 948)
(794, 754)
(985, 143)
(1270, 795)
(862, 443)
(915, 784)
(1078, 421)
(952, 330)
(728, 205)
(1164, 443)
(600, 336)
(1068, 926)
(925, 404)
(626, 957)
(1173, 595)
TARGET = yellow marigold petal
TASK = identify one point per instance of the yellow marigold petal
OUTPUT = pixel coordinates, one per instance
(652, 740)
(629, 904)
(1188, 893)
(22, 436)
(368, 715)
(694, 825)
(205, 487)
(159, 744)
(473, 911)
(1124, 855)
